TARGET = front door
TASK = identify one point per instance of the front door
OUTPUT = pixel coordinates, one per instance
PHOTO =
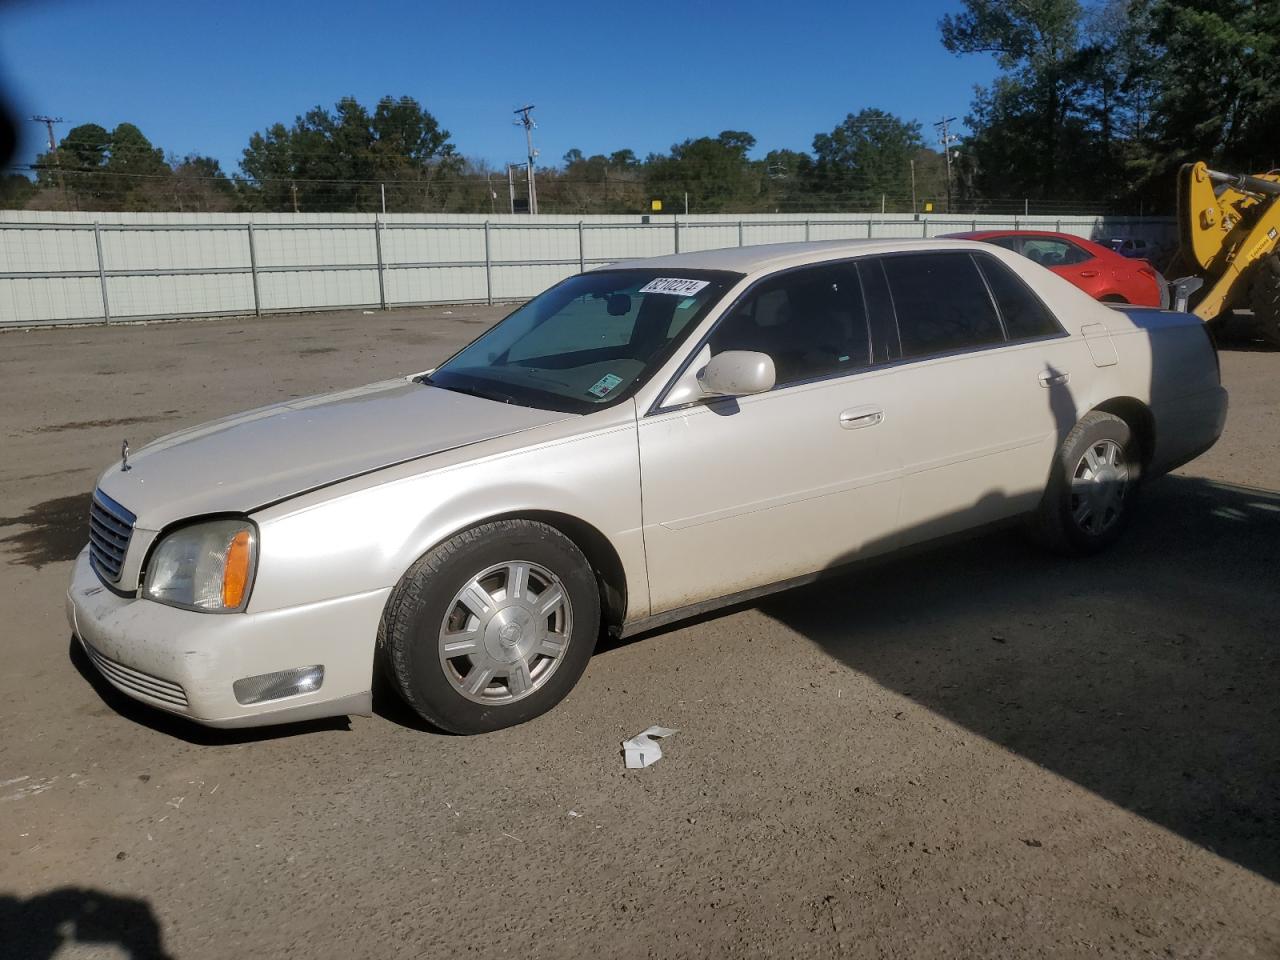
(741, 493)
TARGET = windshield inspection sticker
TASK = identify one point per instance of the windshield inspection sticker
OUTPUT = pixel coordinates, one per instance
(604, 385)
(681, 288)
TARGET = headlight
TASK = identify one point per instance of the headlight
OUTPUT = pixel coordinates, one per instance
(206, 566)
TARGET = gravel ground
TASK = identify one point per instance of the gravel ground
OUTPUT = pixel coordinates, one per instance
(977, 751)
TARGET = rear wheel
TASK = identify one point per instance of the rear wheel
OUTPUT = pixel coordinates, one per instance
(492, 627)
(1091, 488)
(1265, 298)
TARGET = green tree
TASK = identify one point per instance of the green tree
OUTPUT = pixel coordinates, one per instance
(92, 169)
(715, 172)
(1020, 123)
(868, 155)
(1216, 67)
(198, 184)
(787, 179)
(340, 159)
(16, 191)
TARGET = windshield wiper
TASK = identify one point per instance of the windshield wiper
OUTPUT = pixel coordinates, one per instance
(473, 391)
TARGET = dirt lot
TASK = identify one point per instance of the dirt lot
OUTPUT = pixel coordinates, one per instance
(981, 751)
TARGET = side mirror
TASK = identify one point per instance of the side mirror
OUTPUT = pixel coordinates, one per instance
(737, 373)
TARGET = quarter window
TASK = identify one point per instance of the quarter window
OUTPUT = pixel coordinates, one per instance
(1023, 314)
(941, 302)
(811, 322)
(1009, 243)
(1049, 252)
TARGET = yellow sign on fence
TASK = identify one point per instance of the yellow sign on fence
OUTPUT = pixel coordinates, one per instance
(655, 206)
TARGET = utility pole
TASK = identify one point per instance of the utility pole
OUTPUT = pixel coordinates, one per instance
(946, 139)
(913, 186)
(53, 146)
(48, 125)
(526, 121)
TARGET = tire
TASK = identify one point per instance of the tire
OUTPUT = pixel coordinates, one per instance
(1092, 487)
(493, 590)
(1265, 298)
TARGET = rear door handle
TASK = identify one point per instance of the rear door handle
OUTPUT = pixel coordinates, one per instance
(1088, 273)
(1053, 379)
(857, 417)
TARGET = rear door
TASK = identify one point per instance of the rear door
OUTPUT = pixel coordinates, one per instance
(986, 384)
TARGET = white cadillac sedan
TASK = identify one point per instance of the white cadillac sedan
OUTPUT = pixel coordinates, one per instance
(637, 444)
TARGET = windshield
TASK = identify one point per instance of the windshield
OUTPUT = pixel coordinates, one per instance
(587, 342)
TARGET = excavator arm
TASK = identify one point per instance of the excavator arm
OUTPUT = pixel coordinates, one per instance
(1229, 228)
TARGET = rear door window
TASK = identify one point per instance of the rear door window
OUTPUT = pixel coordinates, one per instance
(1051, 252)
(1025, 316)
(941, 302)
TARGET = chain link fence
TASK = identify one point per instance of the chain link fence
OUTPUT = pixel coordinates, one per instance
(57, 268)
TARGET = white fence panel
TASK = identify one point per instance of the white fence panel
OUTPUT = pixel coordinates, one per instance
(436, 284)
(319, 289)
(60, 267)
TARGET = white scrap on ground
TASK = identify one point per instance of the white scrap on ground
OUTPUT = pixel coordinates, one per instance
(643, 749)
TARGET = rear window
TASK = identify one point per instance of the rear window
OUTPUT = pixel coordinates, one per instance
(942, 303)
(1025, 317)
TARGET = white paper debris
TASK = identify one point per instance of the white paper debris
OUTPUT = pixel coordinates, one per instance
(642, 749)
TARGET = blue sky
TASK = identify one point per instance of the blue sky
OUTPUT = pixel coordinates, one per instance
(200, 78)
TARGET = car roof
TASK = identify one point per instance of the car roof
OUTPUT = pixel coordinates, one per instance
(773, 256)
(985, 234)
(1090, 246)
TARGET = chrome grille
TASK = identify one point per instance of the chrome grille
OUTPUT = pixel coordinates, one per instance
(110, 527)
(135, 681)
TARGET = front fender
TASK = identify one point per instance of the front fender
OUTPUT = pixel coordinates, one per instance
(363, 535)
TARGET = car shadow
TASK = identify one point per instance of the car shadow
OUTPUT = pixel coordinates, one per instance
(44, 925)
(1147, 674)
(181, 728)
(390, 706)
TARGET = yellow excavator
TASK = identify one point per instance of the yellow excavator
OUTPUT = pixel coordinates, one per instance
(1229, 235)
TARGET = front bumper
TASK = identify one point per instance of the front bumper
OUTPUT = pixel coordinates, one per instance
(185, 662)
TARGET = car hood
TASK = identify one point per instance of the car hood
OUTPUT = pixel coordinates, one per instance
(243, 462)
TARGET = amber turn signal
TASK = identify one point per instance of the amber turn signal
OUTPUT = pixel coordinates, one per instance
(235, 575)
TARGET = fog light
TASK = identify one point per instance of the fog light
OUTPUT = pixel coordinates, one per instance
(273, 686)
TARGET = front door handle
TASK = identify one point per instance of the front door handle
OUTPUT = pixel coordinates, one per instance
(1088, 273)
(857, 417)
(1053, 378)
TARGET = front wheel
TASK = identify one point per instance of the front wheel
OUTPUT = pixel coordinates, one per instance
(492, 627)
(1265, 298)
(1091, 489)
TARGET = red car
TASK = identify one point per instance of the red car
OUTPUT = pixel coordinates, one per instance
(1099, 272)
